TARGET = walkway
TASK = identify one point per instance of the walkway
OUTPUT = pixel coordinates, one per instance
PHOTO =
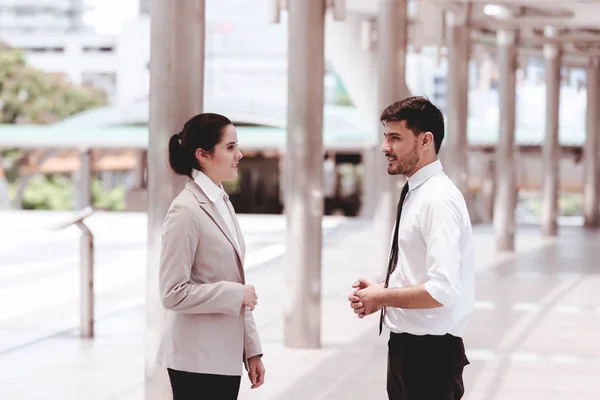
(533, 334)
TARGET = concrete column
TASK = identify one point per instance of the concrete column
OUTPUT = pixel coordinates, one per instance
(591, 182)
(4, 193)
(370, 175)
(392, 22)
(83, 189)
(177, 37)
(505, 168)
(136, 198)
(551, 151)
(455, 147)
(304, 162)
(139, 173)
(487, 194)
(282, 179)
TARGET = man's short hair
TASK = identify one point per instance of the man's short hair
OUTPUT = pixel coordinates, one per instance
(420, 115)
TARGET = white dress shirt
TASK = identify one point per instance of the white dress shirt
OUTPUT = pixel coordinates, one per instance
(435, 247)
(219, 197)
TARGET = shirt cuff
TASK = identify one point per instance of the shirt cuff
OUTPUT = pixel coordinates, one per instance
(439, 293)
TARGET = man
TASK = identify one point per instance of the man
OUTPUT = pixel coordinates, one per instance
(428, 295)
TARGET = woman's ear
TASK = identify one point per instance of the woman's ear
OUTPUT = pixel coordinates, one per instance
(202, 155)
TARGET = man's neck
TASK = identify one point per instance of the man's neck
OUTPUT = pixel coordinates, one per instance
(421, 165)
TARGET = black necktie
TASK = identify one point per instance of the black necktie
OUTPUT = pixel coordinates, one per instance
(394, 252)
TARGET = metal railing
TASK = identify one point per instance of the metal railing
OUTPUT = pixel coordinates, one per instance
(86, 256)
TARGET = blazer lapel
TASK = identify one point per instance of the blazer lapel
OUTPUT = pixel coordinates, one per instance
(237, 230)
(212, 211)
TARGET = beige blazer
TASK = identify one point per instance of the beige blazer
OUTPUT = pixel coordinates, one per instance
(207, 328)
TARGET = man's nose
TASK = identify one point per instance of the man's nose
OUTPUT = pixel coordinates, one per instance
(385, 147)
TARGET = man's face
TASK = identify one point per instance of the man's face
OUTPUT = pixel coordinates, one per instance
(400, 148)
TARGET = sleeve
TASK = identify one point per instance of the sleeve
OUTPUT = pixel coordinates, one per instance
(180, 237)
(442, 226)
(252, 346)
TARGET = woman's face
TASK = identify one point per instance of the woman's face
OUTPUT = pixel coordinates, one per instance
(222, 163)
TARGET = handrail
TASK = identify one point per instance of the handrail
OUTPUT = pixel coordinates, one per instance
(86, 254)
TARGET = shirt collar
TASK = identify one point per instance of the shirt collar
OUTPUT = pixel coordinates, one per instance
(423, 174)
(212, 191)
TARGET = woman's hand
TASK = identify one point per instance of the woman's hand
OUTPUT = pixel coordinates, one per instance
(250, 297)
(256, 371)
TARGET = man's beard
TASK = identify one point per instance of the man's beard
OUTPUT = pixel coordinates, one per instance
(408, 165)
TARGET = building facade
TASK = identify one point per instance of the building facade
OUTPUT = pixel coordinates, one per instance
(32, 16)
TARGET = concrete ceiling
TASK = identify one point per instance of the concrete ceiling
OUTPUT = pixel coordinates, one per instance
(576, 23)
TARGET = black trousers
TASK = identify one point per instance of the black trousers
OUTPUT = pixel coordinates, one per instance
(425, 367)
(192, 386)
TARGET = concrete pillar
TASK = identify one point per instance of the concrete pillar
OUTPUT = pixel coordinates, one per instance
(282, 180)
(487, 194)
(370, 175)
(392, 21)
(136, 198)
(4, 192)
(177, 37)
(304, 161)
(551, 151)
(83, 188)
(505, 168)
(591, 182)
(139, 173)
(455, 147)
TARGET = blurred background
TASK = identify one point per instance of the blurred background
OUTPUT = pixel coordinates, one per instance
(82, 68)
(74, 132)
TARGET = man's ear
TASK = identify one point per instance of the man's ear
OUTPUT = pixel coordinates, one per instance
(427, 139)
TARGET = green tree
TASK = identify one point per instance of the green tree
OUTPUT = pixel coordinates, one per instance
(49, 192)
(56, 192)
(28, 95)
(31, 96)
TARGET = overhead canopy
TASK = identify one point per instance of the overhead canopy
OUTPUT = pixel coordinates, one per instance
(576, 20)
(345, 138)
(136, 137)
(238, 109)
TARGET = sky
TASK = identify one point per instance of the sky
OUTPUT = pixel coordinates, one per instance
(107, 16)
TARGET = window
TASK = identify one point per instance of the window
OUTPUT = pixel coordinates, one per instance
(98, 49)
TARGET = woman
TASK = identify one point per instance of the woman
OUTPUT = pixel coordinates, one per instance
(210, 332)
